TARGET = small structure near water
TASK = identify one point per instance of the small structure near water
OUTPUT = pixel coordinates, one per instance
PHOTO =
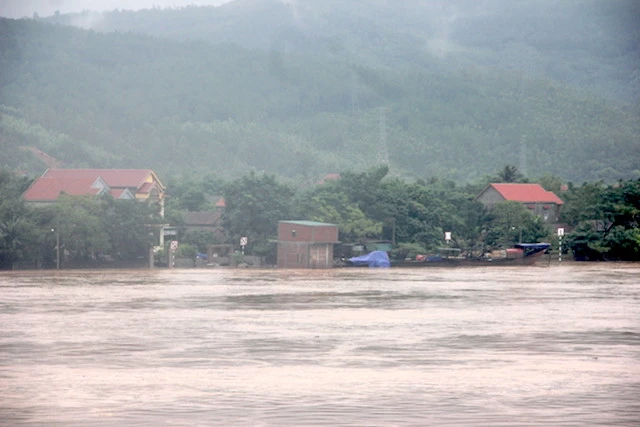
(306, 244)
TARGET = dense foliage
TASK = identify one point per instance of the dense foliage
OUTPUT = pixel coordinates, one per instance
(258, 100)
(348, 90)
(588, 43)
(89, 231)
(604, 221)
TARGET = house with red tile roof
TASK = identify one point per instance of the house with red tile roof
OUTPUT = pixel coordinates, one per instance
(138, 184)
(329, 177)
(541, 202)
(221, 204)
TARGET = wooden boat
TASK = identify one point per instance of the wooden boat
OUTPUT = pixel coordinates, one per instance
(520, 254)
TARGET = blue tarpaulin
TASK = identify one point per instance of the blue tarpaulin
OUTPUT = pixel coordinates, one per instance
(372, 259)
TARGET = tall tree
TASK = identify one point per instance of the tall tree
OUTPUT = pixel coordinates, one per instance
(327, 203)
(607, 221)
(510, 222)
(510, 173)
(18, 234)
(254, 205)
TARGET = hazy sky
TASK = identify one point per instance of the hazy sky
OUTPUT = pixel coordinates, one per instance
(22, 8)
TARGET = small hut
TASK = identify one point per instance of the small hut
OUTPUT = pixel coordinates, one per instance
(306, 244)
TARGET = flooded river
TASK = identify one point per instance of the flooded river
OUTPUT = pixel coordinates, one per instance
(533, 346)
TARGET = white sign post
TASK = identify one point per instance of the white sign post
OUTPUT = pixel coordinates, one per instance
(560, 234)
(243, 243)
(173, 247)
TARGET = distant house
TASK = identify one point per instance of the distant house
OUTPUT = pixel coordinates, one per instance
(138, 184)
(541, 202)
(205, 221)
(306, 244)
(221, 204)
(329, 177)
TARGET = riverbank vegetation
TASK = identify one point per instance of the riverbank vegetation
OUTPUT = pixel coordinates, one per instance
(257, 101)
(604, 220)
(88, 231)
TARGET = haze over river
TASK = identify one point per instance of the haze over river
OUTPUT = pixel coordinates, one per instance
(528, 346)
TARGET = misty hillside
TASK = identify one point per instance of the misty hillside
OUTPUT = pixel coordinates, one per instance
(181, 101)
(592, 44)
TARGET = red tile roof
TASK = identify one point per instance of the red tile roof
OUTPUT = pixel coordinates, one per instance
(526, 193)
(50, 188)
(79, 181)
(329, 177)
(146, 187)
(113, 177)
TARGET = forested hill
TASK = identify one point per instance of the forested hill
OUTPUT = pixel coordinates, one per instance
(591, 44)
(115, 99)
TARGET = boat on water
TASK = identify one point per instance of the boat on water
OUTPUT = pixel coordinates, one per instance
(519, 254)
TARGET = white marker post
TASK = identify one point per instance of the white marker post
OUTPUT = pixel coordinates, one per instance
(560, 234)
(243, 243)
(173, 247)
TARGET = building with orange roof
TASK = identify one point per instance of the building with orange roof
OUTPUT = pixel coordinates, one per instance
(541, 202)
(124, 184)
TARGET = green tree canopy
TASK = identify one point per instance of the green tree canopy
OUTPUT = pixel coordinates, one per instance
(509, 222)
(254, 205)
(606, 219)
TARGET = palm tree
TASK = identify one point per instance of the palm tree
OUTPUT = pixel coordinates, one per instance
(510, 173)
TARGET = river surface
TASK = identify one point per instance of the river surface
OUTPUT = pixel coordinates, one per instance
(532, 346)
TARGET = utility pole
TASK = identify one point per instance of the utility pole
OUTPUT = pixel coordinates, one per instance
(57, 231)
(57, 249)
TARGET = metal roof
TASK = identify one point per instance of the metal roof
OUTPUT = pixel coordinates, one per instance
(310, 223)
(526, 193)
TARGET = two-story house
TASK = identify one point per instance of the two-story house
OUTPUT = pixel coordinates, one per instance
(541, 202)
(138, 184)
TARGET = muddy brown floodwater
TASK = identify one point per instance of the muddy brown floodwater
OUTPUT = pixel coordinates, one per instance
(532, 346)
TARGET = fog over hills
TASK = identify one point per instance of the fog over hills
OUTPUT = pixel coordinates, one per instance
(594, 44)
(301, 88)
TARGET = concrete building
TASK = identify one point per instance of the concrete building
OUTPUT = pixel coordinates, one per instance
(306, 244)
